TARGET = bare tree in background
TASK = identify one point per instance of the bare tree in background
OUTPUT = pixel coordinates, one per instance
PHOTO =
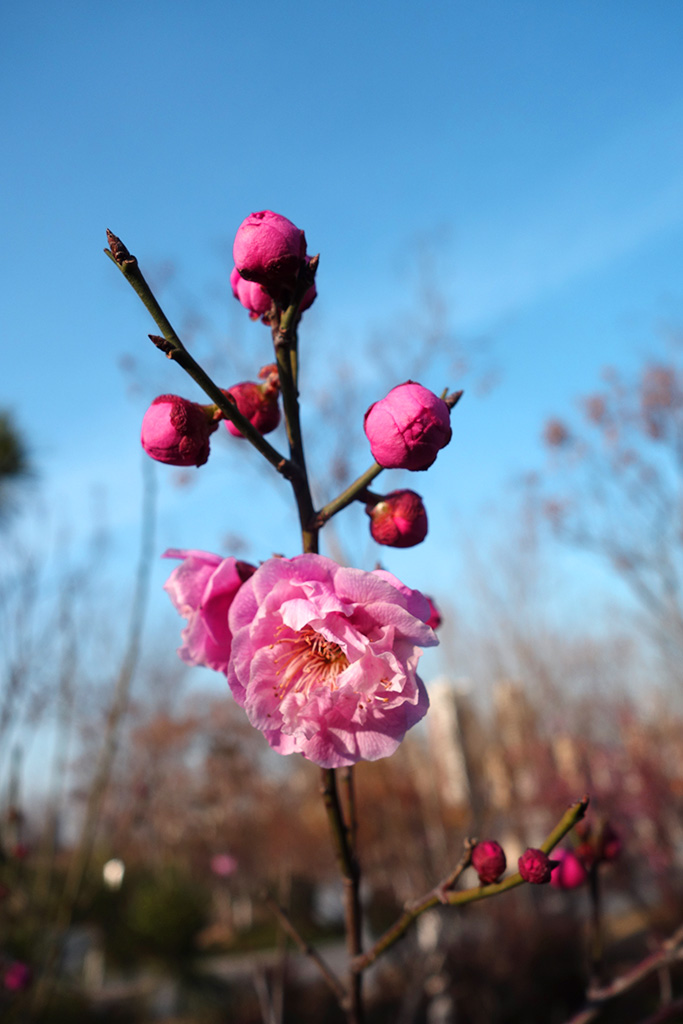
(614, 485)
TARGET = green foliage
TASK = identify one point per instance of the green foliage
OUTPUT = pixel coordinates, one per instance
(165, 913)
(14, 460)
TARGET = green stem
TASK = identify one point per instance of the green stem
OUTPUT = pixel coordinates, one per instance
(435, 897)
(352, 492)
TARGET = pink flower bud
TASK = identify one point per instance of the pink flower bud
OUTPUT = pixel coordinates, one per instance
(17, 977)
(569, 872)
(408, 427)
(257, 403)
(399, 519)
(535, 866)
(434, 620)
(176, 431)
(488, 860)
(269, 249)
(252, 296)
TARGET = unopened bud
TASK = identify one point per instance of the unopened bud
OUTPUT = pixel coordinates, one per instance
(408, 427)
(269, 249)
(176, 431)
(488, 860)
(258, 403)
(535, 866)
(398, 520)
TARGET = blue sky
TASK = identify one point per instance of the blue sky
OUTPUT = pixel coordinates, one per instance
(540, 147)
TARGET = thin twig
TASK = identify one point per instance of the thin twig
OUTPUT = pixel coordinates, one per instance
(80, 862)
(173, 347)
(442, 888)
(352, 492)
(328, 974)
(669, 951)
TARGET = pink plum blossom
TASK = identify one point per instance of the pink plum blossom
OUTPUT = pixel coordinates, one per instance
(202, 588)
(269, 249)
(398, 520)
(407, 428)
(324, 659)
(569, 872)
(176, 431)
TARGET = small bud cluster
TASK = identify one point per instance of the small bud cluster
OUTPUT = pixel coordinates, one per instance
(176, 431)
(569, 868)
(270, 265)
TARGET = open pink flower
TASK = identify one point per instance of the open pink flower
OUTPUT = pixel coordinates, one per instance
(202, 589)
(324, 659)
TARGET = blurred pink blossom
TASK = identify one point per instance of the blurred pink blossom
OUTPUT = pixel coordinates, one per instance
(408, 427)
(17, 976)
(569, 872)
(202, 589)
(223, 864)
(324, 659)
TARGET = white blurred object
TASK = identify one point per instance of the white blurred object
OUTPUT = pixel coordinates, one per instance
(113, 872)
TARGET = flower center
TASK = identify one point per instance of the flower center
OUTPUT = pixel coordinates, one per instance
(307, 662)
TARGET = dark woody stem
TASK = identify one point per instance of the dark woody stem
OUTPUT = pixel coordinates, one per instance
(330, 977)
(173, 347)
(440, 893)
(350, 872)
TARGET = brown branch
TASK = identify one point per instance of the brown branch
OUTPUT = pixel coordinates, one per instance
(350, 872)
(328, 974)
(668, 952)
